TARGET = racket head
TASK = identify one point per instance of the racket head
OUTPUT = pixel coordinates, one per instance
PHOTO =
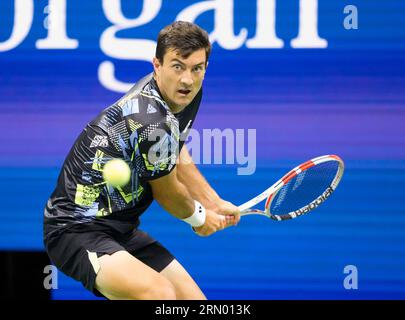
(303, 188)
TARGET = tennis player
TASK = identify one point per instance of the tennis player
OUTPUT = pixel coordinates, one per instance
(90, 228)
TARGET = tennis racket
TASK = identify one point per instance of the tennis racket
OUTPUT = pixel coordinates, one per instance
(300, 191)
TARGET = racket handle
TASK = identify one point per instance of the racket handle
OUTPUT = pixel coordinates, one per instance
(252, 211)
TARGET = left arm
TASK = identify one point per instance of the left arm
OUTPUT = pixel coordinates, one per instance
(199, 188)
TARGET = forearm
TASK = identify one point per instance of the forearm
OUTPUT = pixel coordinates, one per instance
(179, 204)
(173, 196)
(197, 186)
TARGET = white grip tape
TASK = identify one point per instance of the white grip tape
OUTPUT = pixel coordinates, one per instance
(197, 219)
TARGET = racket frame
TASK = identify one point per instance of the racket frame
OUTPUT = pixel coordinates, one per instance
(270, 193)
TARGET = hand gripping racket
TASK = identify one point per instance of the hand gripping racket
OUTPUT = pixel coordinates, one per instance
(300, 191)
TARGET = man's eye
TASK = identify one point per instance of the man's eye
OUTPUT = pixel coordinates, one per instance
(177, 67)
(197, 69)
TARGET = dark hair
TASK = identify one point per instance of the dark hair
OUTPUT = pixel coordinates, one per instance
(184, 37)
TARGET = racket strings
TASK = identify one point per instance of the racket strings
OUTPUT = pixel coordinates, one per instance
(304, 188)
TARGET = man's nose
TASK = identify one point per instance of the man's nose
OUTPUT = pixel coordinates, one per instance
(186, 78)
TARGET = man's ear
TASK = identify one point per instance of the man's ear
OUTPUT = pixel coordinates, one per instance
(156, 64)
(206, 66)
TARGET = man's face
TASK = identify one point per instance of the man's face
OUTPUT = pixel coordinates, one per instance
(179, 79)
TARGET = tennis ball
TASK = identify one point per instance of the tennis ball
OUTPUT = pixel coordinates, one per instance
(116, 172)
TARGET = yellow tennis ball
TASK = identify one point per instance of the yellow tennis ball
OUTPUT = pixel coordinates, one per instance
(116, 172)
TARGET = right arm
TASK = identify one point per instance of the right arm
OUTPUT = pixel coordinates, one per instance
(153, 144)
(174, 197)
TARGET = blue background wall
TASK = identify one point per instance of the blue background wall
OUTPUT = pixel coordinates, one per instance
(346, 99)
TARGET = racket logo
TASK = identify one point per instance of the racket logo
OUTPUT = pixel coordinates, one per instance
(314, 204)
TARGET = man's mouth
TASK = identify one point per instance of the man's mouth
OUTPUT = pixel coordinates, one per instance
(184, 91)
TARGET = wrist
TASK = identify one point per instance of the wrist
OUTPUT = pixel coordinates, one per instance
(197, 219)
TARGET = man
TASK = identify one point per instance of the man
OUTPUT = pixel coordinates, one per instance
(90, 228)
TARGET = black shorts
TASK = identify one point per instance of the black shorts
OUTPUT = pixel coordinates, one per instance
(73, 251)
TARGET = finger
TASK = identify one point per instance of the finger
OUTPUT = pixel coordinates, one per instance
(202, 234)
(201, 231)
(231, 210)
(236, 214)
(232, 220)
(229, 220)
(222, 222)
(234, 210)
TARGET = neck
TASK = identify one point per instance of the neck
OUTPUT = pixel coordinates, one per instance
(174, 108)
